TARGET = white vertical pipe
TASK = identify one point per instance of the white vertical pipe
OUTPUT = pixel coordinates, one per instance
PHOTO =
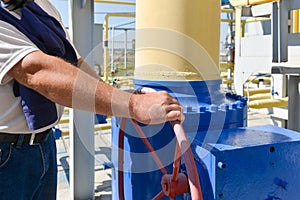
(113, 49)
(125, 49)
(82, 123)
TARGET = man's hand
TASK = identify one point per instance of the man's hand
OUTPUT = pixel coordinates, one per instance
(152, 107)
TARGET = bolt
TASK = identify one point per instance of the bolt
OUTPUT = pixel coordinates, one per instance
(234, 106)
(221, 165)
(225, 107)
(240, 104)
(189, 108)
(202, 109)
(213, 108)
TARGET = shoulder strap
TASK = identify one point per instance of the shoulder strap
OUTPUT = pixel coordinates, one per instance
(48, 35)
(43, 30)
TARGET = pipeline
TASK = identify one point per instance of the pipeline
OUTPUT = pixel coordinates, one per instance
(259, 96)
(250, 2)
(253, 91)
(296, 21)
(269, 103)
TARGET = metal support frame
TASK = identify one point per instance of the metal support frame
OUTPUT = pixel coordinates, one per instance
(294, 101)
(280, 31)
(293, 93)
(117, 27)
(281, 40)
(82, 123)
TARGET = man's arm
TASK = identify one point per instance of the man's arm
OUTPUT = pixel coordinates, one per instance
(82, 65)
(64, 84)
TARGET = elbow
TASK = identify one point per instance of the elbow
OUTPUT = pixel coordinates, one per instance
(29, 70)
(32, 63)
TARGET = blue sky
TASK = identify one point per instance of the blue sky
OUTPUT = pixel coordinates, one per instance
(102, 8)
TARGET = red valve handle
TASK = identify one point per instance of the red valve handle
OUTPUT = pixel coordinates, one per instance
(194, 182)
(174, 184)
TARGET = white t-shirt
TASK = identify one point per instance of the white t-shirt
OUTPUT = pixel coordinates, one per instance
(14, 45)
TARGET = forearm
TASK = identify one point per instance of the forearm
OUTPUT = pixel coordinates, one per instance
(69, 86)
(94, 95)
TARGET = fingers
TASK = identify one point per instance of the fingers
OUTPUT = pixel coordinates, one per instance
(168, 98)
(160, 114)
(146, 90)
(174, 110)
(174, 113)
(171, 109)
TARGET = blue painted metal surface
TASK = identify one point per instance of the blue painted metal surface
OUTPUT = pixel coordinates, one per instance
(252, 163)
(206, 109)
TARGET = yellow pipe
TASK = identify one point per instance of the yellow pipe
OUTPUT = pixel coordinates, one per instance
(107, 16)
(250, 2)
(241, 24)
(269, 103)
(238, 22)
(296, 21)
(249, 20)
(226, 81)
(257, 19)
(177, 40)
(115, 2)
(227, 10)
(228, 20)
(255, 79)
(259, 96)
(243, 28)
(257, 91)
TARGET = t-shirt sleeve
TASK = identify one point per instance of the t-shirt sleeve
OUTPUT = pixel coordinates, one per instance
(14, 46)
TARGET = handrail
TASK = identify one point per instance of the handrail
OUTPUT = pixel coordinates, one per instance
(116, 2)
(227, 10)
(250, 2)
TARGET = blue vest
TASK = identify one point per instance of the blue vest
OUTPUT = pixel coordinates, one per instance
(48, 35)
